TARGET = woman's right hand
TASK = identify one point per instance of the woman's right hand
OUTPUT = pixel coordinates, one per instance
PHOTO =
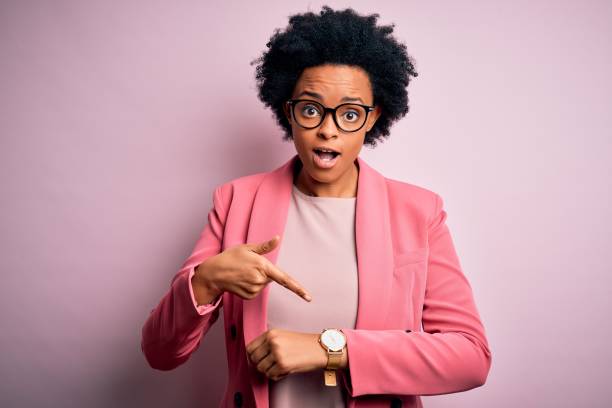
(243, 271)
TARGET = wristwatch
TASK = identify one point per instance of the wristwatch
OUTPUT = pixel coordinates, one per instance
(333, 341)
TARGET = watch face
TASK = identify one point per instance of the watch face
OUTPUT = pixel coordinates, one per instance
(333, 339)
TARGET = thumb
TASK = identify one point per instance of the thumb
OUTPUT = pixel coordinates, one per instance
(266, 246)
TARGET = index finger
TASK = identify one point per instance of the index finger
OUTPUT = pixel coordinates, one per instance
(278, 276)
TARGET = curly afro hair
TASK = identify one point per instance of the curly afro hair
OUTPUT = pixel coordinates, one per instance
(336, 37)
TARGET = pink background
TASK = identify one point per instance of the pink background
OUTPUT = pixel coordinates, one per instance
(117, 120)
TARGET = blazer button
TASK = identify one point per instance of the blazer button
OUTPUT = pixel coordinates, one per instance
(233, 331)
(238, 399)
(396, 403)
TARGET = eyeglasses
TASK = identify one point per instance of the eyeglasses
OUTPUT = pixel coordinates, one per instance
(349, 117)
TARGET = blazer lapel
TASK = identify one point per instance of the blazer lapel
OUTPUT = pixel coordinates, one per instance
(372, 240)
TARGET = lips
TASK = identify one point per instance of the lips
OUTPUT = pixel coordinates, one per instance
(325, 158)
(323, 151)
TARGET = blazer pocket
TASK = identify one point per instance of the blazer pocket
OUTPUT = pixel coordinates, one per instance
(409, 257)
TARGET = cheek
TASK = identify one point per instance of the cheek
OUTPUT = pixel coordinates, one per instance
(356, 144)
(298, 141)
(302, 139)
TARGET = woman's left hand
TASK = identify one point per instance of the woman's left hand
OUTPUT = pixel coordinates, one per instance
(278, 353)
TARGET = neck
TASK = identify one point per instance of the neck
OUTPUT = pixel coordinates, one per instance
(344, 186)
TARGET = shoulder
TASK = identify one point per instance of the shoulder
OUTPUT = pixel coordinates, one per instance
(402, 190)
(238, 188)
(418, 199)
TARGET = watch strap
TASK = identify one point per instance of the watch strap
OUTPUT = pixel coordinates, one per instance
(330, 377)
(334, 359)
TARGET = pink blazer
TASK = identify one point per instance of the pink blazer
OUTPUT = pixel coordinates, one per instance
(409, 276)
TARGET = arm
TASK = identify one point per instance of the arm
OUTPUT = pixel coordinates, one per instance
(176, 326)
(450, 355)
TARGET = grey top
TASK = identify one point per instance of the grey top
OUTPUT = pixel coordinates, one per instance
(318, 250)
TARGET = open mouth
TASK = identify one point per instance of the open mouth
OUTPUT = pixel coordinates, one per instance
(326, 155)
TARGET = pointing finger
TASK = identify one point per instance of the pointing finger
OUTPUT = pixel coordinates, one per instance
(274, 273)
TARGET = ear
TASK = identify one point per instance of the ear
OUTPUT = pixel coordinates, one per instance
(373, 117)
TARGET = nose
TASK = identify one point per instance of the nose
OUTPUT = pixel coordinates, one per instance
(328, 127)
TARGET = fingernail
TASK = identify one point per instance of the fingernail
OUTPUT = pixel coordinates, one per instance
(307, 297)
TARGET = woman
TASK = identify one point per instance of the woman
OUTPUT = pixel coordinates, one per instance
(325, 268)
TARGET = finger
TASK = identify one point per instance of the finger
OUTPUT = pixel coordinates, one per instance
(279, 377)
(275, 372)
(264, 365)
(260, 353)
(256, 342)
(274, 273)
(265, 246)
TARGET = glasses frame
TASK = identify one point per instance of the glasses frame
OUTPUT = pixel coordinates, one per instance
(292, 103)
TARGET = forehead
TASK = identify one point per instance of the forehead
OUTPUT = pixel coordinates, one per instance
(335, 81)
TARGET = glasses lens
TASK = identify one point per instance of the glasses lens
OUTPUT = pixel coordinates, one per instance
(350, 117)
(309, 114)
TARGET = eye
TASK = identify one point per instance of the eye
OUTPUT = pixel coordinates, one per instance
(351, 115)
(310, 111)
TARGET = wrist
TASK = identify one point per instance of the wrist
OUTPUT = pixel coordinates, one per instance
(203, 280)
(323, 356)
(322, 352)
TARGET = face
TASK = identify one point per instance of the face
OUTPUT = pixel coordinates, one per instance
(330, 85)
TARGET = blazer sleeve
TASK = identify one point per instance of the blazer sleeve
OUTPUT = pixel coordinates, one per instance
(451, 354)
(174, 329)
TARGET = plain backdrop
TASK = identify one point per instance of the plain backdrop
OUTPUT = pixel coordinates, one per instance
(117, 120)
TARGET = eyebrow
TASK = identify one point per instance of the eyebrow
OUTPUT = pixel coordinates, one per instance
(344, 99)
